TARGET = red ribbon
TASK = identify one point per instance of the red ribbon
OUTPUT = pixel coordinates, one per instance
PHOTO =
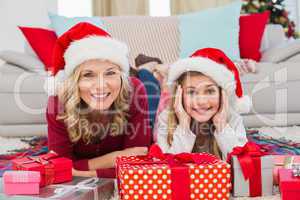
(249, 159)
(180, 159)
(180, 178)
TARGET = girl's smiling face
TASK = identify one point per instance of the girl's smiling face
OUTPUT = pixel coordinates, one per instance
(201, 96)
(99, 83)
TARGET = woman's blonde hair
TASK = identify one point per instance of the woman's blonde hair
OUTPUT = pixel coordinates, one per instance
(172, 117)
(77, 120)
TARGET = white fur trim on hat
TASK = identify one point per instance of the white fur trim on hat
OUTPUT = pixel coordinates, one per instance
(219, 73)
(53, 83)
(96, 47)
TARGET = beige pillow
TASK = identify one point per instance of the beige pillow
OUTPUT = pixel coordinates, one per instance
(22, 60)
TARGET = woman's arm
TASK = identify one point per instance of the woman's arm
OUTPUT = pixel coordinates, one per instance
(108, 160)
(58, 139)
(138, 131)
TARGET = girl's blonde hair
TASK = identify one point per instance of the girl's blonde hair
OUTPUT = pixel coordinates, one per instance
(172, 117)
(78, 122)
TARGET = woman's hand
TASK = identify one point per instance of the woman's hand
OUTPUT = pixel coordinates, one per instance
(76, 172)
(134, 151)
(108, 160)
(183, 118)
(220, 118)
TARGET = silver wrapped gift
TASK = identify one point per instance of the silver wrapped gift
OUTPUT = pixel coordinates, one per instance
(241, 187)
(80, 188)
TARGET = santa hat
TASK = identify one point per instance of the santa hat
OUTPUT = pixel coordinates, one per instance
(215, 64)
(82, 42)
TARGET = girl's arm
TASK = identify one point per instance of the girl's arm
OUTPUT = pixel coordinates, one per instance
(232, 135)
(183, 139)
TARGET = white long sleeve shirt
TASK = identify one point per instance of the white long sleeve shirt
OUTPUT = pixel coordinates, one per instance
(232, 135)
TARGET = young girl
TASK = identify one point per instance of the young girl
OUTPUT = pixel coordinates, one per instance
(99, 112)
(203, 112)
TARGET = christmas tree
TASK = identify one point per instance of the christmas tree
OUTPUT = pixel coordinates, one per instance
(278, 13)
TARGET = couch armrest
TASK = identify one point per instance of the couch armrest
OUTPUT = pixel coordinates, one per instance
(273, 35)
(281, 52)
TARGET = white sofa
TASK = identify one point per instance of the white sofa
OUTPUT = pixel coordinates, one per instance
(274, 88)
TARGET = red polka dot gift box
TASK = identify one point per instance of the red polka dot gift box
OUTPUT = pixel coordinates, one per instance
(173, 176)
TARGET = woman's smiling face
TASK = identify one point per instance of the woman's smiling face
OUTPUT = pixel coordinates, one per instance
(99, 83)
(201, 97)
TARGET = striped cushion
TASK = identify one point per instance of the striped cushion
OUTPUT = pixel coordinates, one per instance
(152, 36)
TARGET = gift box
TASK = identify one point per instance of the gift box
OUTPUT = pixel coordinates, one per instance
(173, 177)
(252, 171)
(21, 182)
(283, 161)
(289, 185)
(53, 169)
(80, 188)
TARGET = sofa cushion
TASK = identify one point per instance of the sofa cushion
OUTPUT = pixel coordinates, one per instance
(6, 68)
(26, 108)
(24, 82)
(152, 36)
(271, 120)
(61, 24)
(252, 27)
(22, 60)
(273, 36)
(215, 27)
(23, 130)
(274, 88)
(42, 42)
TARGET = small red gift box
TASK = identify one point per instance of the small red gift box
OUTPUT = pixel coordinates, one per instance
(53, 169)
(173, 177)
(289, 185)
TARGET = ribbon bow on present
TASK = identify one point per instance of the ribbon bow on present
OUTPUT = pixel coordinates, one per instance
(155, 153)
(42, 159)
(245, 156)
(249, 158)
(88, 184)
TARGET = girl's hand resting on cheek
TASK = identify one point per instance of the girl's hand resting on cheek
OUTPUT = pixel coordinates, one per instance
(183, 118)
(220, 118)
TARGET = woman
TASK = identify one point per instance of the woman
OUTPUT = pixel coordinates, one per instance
(202, 116)
(99, 113)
